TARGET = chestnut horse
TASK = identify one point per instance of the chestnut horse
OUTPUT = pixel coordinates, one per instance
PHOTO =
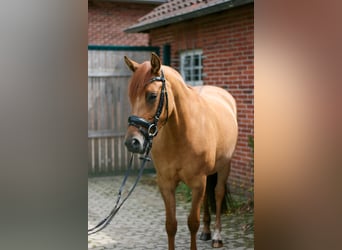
(195, 134)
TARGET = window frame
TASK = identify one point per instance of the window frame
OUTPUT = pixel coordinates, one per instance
(192, 54)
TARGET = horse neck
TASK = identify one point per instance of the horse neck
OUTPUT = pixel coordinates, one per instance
(183, 95)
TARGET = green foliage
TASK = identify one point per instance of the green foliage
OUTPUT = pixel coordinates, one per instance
(251, 145)
(183, 192)
(251, 142)
(250, 203)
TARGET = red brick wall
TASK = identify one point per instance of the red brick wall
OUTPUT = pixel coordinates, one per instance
(106, 22)
(227, 41)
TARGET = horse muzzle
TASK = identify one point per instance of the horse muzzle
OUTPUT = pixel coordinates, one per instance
(135, 143)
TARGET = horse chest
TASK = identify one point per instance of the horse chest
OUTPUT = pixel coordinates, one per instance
(182, 160)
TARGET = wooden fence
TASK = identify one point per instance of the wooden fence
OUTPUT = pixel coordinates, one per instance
(108, 106)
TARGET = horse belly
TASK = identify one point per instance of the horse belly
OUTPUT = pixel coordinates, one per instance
(221, 116)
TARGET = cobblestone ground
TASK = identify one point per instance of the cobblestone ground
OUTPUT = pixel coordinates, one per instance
(140, 222)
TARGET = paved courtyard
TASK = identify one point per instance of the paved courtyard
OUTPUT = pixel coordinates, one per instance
(140, 222)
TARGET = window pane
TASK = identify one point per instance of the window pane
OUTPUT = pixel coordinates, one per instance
(187, 61)
(196, 60)
(196, 76)
(187, 76)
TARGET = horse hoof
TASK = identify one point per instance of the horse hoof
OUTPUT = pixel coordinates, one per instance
(217, 243)
(205, 236)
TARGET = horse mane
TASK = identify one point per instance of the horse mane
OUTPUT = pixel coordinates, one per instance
(177, 75)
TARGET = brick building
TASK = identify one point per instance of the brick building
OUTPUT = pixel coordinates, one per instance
(107, 20)
(211, 42)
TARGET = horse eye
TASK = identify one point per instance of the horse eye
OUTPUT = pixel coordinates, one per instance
(151, 97)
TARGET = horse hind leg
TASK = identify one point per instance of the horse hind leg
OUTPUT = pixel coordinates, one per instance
(208, 206)
(217, 239)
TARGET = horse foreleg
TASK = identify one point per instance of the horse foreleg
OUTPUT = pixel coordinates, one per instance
(194, 217)
(217, 239)
(220, 191)
(206, 234)
(168, 193)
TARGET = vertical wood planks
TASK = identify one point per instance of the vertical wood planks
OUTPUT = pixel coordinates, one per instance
(108, 109)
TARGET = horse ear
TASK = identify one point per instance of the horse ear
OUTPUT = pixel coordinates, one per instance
(132, 65)
(155, 63)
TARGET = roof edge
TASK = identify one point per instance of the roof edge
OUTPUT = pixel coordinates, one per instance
(137, 1)
(123, 48)
(144, 28)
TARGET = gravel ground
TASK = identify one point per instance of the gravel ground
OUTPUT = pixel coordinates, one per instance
(140, 222)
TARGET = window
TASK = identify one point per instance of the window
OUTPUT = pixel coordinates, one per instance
(191, 67)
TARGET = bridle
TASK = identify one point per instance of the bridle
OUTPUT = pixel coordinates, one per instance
(150, 129)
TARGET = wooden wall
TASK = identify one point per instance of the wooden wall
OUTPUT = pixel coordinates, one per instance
(108, 109)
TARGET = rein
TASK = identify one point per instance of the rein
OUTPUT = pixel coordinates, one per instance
(105, 222)
(150, 131)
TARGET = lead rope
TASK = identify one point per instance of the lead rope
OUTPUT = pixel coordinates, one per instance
(152, 131)
(102, 224)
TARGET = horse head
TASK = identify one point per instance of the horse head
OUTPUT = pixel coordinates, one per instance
(149, 93)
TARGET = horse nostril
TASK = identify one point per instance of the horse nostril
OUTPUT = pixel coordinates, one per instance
(133, 145)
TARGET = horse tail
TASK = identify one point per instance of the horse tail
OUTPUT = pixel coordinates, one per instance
(227, 201)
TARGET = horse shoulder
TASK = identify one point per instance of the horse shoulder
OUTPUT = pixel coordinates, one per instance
(217, 98)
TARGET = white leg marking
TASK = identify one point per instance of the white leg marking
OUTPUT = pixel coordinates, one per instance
(217, 235)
